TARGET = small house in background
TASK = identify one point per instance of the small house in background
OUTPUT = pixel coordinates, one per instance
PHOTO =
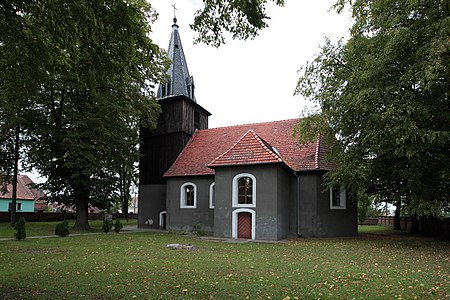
(27, 197)
(40, 202)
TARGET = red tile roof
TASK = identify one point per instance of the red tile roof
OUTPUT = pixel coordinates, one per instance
(249, 149)
(23, 192)
(271, 142)
(38, 194)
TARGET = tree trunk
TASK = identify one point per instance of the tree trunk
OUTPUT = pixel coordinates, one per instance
(81, 194)
(398, 205)
(82, 221)
(14, 179)
(125, 207)
(124, 192)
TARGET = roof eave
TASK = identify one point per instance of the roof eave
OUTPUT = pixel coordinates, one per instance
(177, 97)
(249, 164)
(188, 175)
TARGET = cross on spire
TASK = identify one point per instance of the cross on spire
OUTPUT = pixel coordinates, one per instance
(174, 13)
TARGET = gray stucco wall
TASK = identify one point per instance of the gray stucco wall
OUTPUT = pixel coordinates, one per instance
(272, 201)
(316, 218)
(284, 199)
(278, 212)
(293, 207)
(184, 218)
(152, 201)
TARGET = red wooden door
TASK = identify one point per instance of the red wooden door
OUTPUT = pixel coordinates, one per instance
(244, 225)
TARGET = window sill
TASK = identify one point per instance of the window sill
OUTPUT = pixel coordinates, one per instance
(243, 205)
(338, 207)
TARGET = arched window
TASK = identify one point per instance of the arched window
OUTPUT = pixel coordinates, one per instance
(244, 190)
(212, 195)
(188, 195)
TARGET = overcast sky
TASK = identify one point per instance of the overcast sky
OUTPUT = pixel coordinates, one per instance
(253, 81)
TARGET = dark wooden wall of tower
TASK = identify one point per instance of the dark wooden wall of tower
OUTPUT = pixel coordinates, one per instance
(160, 147)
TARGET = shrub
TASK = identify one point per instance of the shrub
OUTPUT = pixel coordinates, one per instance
(62, 229)
(198, 229)
(118, 226)
(21, 232)
(107, 225)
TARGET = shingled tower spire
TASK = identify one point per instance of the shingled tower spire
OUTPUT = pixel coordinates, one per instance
(179, 81)
(180, 117)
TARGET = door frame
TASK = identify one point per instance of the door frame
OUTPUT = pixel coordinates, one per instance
(163, 220)
(234, 222)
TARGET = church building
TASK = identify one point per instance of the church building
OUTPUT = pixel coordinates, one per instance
(251, 181)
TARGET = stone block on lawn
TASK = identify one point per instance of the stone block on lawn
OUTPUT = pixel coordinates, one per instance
(181, 247)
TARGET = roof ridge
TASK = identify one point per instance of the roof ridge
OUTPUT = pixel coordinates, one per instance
(317, 152)
(225, 146)
(250, 124)
(26, 187)
(22, 190)
(262, 143)
(265, 145)
(229, 149)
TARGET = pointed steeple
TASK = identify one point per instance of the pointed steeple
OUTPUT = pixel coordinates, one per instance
(179, 81)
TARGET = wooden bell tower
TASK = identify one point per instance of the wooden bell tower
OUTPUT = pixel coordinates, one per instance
(181, 116)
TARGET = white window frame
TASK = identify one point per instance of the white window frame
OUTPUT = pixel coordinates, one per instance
(235, 188)
(342, 198)
(212, 195)
(183, 195)
(18, 206)
(162, 215)
(234, 222)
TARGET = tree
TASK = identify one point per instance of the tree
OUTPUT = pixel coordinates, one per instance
(89, 69)
(126, 176)
(86, 70)
(13, 116)
(20, 228)
(364, 204)
(384, 101)
(243, 19)
(9, 156)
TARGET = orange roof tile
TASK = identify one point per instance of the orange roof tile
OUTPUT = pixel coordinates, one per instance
(249, 149)
(23, 192)
(271, 141)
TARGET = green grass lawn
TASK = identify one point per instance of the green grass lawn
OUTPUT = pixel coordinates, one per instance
(48, 228)
(378, 229)
(139, 266)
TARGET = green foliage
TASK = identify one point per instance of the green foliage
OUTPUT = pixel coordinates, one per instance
(197, 229)
(375, 208)
(48, 228)
(20, 228)
(363, 208)
(78, 77)
(62, 229)
(384, 103)
(107, 226)
(118, 226)
(243, 19)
